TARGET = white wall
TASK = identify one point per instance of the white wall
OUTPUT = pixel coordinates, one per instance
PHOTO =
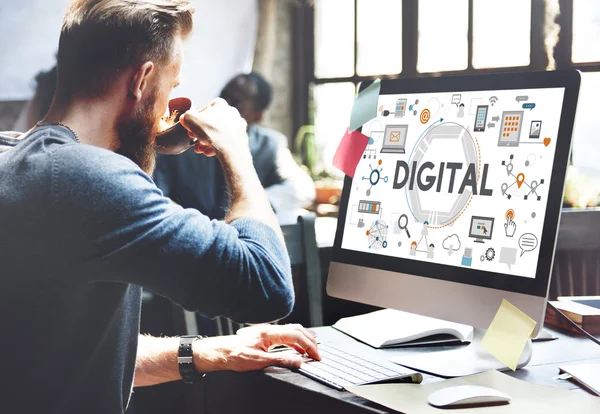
(221, 46)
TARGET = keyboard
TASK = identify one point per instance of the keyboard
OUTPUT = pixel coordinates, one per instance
(340, 369)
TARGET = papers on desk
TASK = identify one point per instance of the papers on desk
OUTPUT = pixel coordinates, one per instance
(586, 374)
(526, 397)
(388, 328)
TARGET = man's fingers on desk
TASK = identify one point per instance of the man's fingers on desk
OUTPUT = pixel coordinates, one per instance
(301, 343)
(281, 359)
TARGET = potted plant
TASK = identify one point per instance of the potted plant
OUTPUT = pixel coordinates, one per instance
(328, 186)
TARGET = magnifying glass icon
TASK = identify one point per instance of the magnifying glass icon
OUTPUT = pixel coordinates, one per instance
(404, 219)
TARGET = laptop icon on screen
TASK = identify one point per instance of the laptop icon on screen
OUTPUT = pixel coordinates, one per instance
(394, 139)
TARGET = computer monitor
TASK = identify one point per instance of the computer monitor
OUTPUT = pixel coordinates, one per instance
(451, 186)
(394, 139)
(481, 228)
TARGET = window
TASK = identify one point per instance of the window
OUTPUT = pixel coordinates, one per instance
(333, 104)
(586, 145)
(501, 33)
(334, 38)
(379, 37)
(357, 40)
(443, 30)
(585, 56)
(586, 31)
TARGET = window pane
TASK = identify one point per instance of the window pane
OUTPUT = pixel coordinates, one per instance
(379, 37)
(501, 33)
(332, 105)
(334, 38)
(586, 145)
(586, 31)
(443, 28)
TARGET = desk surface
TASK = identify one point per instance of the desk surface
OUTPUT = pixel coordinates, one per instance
(279, 390)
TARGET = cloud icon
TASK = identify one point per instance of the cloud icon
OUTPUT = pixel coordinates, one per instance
(451, 243)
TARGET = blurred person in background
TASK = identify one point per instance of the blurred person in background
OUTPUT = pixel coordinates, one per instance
(288, 186)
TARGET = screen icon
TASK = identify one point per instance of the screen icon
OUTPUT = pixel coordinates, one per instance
(536, 129)
(510, 129)
(481, 228)
(400, 108)
(480, 118)
(394, 139)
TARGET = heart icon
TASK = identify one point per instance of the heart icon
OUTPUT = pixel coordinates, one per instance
(547, 141)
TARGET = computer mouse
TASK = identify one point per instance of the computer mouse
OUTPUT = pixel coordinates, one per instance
(467, 395)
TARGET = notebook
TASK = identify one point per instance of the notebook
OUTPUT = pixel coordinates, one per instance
(586, 374)
(391, 328)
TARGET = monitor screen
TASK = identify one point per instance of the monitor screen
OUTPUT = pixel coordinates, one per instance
(469, 190)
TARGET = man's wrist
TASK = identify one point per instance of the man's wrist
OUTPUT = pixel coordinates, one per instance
(239, 173)
(205, 355)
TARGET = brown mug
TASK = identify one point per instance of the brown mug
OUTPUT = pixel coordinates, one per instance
(175, 139)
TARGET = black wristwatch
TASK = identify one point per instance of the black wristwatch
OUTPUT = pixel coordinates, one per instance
(185, 359)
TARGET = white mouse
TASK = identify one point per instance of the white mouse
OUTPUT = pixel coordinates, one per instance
(466, 395)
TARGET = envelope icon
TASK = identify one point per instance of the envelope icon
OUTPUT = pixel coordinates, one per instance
(395, 136)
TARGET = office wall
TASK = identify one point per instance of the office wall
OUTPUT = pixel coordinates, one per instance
(222, 45)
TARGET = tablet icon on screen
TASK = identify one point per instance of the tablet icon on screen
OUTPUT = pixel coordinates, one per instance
(536, 129)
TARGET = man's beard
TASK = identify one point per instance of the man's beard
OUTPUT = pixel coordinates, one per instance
(137, 134)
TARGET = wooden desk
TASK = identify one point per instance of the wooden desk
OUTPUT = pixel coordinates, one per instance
(279, 390)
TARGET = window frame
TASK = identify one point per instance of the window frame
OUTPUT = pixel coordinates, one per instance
(304, 57)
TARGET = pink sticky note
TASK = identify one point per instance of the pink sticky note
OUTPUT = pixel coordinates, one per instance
(348, 154)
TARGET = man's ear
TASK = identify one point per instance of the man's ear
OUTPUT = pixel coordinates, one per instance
(139, 80)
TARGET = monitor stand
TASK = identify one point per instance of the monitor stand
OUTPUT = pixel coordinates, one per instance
(459, 362)
(478, 240)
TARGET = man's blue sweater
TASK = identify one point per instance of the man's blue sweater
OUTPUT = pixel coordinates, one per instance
(82, 229)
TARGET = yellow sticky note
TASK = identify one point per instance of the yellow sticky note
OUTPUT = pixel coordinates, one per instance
(508, 333)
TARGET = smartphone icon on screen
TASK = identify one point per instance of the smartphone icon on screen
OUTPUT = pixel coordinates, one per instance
(480, 118)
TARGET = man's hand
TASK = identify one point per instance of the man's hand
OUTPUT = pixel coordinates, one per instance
(248, 350)
(221, 131)
(219, 128)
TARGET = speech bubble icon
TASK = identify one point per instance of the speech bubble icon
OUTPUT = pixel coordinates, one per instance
(508, 256)
(456, 99)
(527, 243)
(529, 105)
(522, 98)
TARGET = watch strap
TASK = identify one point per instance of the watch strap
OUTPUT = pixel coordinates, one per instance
(185, 359)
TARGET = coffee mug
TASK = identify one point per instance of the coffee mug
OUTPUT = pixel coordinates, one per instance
(175, 139)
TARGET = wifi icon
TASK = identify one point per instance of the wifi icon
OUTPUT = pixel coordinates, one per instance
(493, 100)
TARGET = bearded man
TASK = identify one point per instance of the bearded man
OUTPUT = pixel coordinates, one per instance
(83, 227)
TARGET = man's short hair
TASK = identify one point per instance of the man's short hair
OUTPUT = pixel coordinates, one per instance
(264, 91)
(99, 38)
(262, 94)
